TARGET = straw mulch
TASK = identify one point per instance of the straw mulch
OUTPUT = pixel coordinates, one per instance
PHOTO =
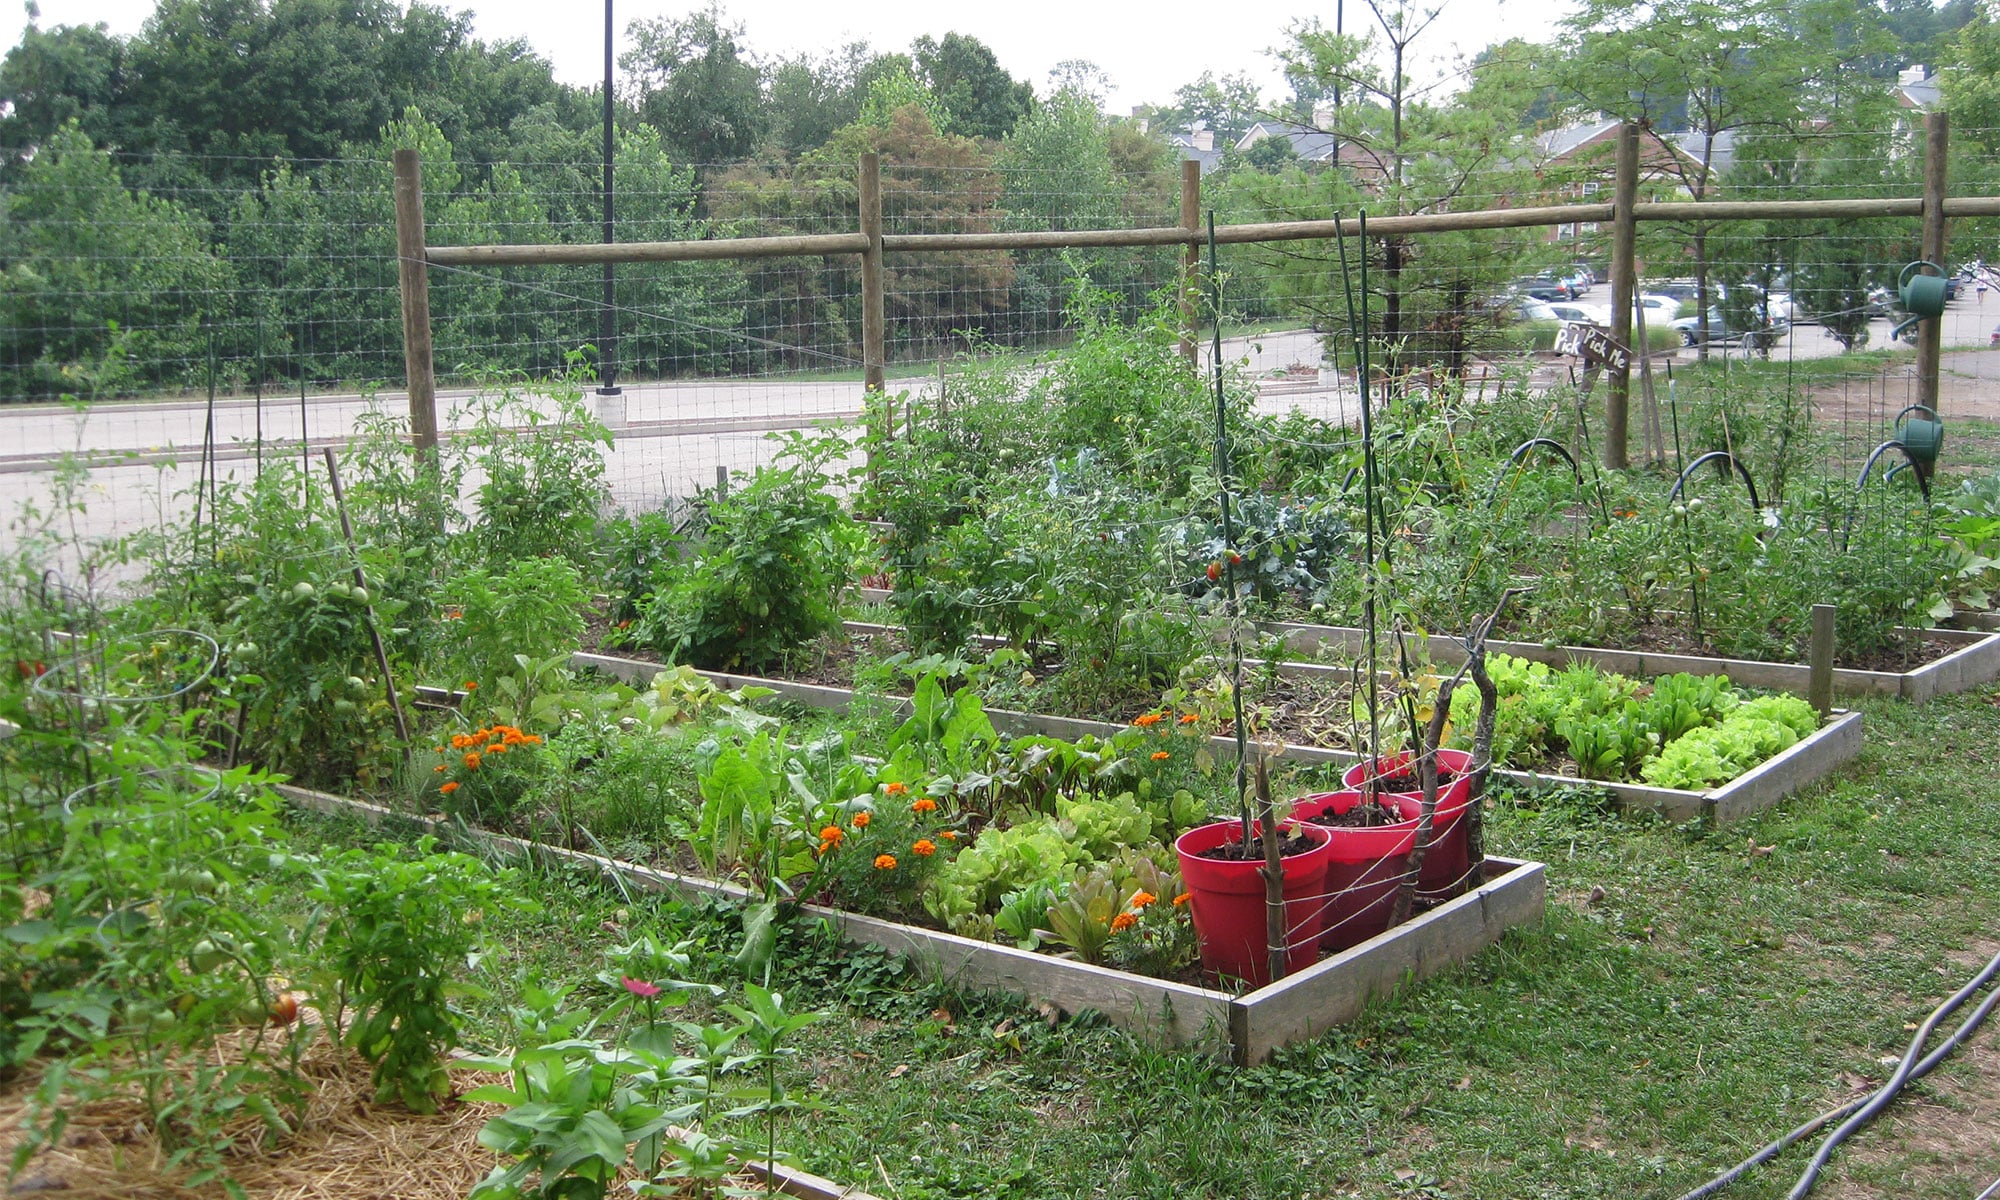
(347, 1146)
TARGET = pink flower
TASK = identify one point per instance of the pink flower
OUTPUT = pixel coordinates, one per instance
(639, 987)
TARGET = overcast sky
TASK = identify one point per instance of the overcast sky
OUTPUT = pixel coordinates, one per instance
(1147, 50)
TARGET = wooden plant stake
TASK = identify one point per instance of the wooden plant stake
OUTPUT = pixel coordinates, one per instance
(1273, 871)
(1424, 751)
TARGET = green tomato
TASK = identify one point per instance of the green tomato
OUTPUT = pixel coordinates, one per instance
(206, 956)
(302, 591)
(359, 595)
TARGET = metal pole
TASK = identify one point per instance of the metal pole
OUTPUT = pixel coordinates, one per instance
(607, 357)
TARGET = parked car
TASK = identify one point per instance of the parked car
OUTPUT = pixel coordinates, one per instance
(1527, 308)
(1682, 290)
(1660, 309)
(1578, 280)
(1719, 331)
(1588, 313)
(1541, 289)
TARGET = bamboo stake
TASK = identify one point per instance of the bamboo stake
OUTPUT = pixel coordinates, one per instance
(361, 581)
(1191, 258)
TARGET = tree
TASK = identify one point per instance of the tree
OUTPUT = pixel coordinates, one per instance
(72, 73)
(697, 87)
(1057, 174)
(1229, 106)
(930, 182)
(1768, 66)
(1403, 152)
(810, 98)
(90, 265)
(980, 99)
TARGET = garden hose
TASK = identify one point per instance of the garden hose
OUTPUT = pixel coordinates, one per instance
(1858, 1112)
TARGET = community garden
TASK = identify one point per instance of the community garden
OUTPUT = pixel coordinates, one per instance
(588, 802)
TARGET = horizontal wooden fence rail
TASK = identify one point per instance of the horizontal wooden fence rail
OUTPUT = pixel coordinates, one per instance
(1229, 235)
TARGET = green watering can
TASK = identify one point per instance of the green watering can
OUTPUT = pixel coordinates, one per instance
(1922, 295)
(1922, 436)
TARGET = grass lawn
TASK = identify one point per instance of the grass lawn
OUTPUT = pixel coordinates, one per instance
(1724, 986)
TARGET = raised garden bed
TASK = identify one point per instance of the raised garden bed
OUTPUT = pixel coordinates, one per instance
(1811, 758)
(1247, 1028)
(1975, 660)
(1973, 657)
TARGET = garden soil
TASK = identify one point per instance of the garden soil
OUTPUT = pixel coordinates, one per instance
(347, 1147)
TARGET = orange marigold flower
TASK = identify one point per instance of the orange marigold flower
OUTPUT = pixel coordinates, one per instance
(497, 748)
(1142, 899)
(1181, 900)
(472, 685)
(1148, 720)
(449, 788)
(532, 740)
(924, 848)
(923, 804)
(1161, 756)
(1124, 921)
(949, 835)
(861, 819)
(895, 789)
(439, 769)
(472, 762)
(885, 862)
(1190, 718)
(439, 749)
(833, 834)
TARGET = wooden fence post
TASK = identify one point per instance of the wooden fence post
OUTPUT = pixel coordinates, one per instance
(1819, 660)
(1190, 255)
(874, 354)
(1930, 333)
(413, 276)
(1624, 286)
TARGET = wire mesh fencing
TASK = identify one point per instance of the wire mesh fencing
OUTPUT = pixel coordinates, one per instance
(279, 298)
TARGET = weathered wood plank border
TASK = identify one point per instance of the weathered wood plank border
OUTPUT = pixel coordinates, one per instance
(1159, 1010)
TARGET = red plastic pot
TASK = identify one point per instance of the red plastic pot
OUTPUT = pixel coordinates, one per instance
(1228, 901)
(1448, 859)
(1364, 868)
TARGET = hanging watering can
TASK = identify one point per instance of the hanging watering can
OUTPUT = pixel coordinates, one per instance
(1922, 436)
(1922, 295)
